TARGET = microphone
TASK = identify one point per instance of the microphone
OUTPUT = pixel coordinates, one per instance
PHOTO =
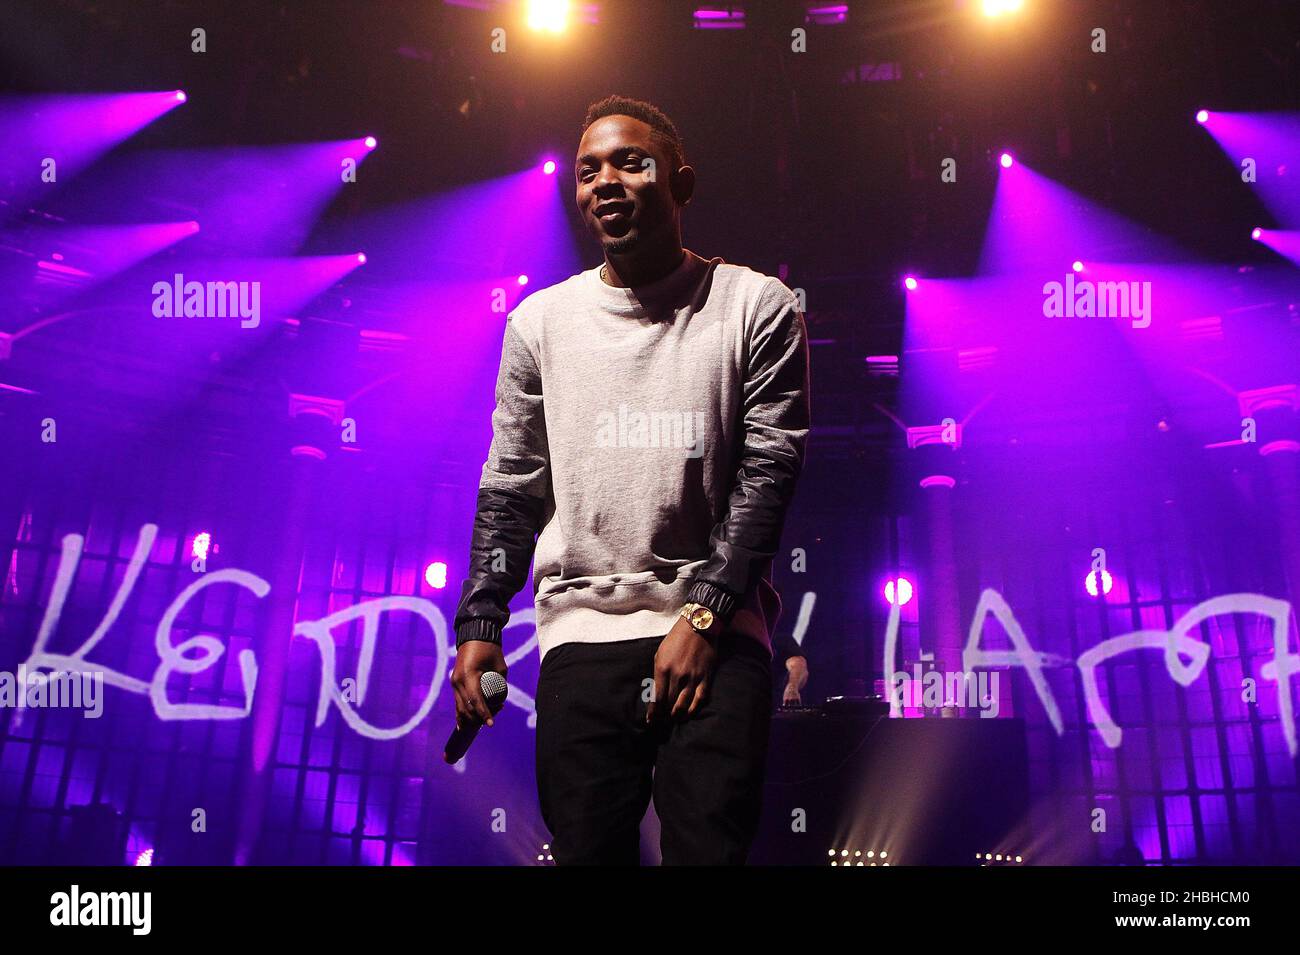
(493, 687)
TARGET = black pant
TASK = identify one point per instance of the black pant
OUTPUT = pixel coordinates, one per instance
(598, 762)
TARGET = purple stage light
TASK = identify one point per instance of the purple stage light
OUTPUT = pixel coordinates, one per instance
(910, 283)
(145, 857)
(1036, 225)
(1077, 266)
(1202, 116)
(1284, 243)
(264, 290)
(1090, 582)
(1268, 145)
(257, 201)
(201, 545)
(435, 575)
(81, 257)
(548, 167)
(370, 142)
(425, 239)
(716, 18)
(1006, 160)
(1256, 232)
(361, 258)
(75, 128)
(419, 249)
(903, 588)
(827, 14)
(523, 280)
(180, 96)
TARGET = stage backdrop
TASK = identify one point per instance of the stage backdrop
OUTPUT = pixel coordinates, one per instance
(163, 539)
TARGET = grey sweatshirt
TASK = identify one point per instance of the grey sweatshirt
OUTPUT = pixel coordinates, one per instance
(653, 439)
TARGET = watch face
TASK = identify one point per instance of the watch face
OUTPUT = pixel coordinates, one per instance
(701, 618)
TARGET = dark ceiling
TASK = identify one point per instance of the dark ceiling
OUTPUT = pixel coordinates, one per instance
(821, 165)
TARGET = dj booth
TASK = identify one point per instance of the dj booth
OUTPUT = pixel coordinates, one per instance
(848, 785)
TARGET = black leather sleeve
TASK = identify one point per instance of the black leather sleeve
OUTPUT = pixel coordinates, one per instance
(512, 497)
(776, 423)
(784, 647)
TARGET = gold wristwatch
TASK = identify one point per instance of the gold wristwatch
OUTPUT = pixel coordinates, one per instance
(700, 617)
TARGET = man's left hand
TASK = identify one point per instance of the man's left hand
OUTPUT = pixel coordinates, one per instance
(684, 666)
(797, 668)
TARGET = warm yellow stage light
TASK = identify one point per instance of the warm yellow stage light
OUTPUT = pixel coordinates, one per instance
(549, 15)
(997, 8)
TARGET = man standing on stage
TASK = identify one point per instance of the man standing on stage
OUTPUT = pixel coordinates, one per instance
(650, 424)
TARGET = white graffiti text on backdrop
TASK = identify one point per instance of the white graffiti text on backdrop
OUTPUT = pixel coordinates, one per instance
(204, 651)
(172, 658)
(1175, 643)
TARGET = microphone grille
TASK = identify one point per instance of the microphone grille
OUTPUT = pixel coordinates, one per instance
(493, 686)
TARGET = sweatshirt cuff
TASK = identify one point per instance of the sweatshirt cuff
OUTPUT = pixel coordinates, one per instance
(478, 629)
(721, 602)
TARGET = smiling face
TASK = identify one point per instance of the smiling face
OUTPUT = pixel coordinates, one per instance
(617, 198)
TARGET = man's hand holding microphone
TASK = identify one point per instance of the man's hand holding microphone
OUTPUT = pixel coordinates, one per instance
(479, 682)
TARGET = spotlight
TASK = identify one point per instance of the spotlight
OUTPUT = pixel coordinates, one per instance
(1202, 116)
(145, 858)
(180, 96)
(371, 142)
(902, 588)
(997, 8)
(435, 575)
(1256, 233)
(1077, 266)
(909, 282)
(549, 15)
(201, 545)
(719, 17)
(1090, 582)
(1007, 160)
(827, 14)
(548, 167)
(523, 280)
(361, 258)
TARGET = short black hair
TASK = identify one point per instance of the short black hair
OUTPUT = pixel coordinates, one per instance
(663, 131)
